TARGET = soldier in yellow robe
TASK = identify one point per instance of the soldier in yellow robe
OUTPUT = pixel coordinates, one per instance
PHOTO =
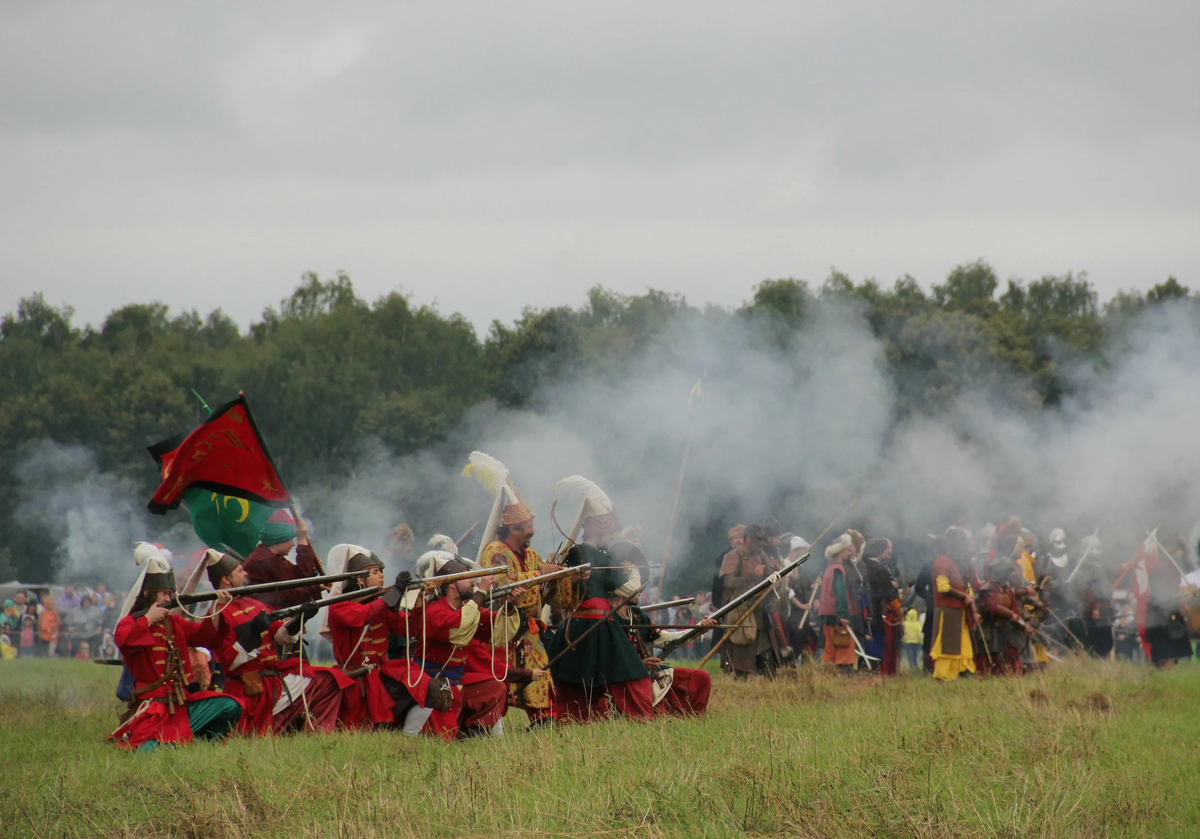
(526, 650)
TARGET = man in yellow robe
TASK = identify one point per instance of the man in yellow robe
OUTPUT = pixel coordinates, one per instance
(526, 650)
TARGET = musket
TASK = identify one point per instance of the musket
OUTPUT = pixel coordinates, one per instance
(596, 625)
(263, 588)
(292, 611)
(463, 538)
(669, 604)
(501, 591)
(729, 633)
(685, 626)
(115, 662)
(767, 581)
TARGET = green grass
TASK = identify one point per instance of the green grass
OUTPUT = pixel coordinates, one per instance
(1090, 749)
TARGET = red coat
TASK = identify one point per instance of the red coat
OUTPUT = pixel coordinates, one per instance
(144, 650)
(431, 648)
(260, 710)
(359, 632)
(262, 566)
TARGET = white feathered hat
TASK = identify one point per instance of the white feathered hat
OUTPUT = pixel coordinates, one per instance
(155, 562)
(595, 509)
(509, 508)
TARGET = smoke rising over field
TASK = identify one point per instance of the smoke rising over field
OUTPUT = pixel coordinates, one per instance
(796, 431)
(793, 424)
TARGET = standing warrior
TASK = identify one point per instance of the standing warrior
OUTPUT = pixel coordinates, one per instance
(887, 618)
(155, 645)
(836, 606)
(506, 541)
(757, 647)
(1002, 626)
(278, 692)
(603, 669)
(390, 692)
(953, 605)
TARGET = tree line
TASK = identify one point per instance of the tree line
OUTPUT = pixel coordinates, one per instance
(327, 369)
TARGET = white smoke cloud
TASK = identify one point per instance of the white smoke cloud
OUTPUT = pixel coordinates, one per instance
(793, 431)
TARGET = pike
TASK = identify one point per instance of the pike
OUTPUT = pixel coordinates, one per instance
(593, 627)
(458, 542)
(762, 584)
(501, 591)
(1079, 564)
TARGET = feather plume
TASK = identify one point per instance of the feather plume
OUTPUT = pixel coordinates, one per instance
(586, 488)
(491, 473)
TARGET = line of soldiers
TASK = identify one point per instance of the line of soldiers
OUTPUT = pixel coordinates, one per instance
(464, 657)
(851, 608)
(1000, 606)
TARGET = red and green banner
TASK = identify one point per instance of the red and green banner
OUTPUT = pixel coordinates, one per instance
(226, 456)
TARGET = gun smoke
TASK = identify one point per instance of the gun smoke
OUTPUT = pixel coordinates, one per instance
(794, 429)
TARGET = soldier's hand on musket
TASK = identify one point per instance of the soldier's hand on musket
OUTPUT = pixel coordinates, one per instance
(224, 598)
(708, 622)
(539, 673)
(485, 583)
(550, 568)
(514, 595)
(403, 580)
(652, 661)
(155, 614)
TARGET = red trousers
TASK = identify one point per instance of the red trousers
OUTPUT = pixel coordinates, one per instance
(688, 695)
(483, 703)
(633, 700)
(892, 633)
(322, 700)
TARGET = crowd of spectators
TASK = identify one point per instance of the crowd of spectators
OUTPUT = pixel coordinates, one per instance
(77, 624)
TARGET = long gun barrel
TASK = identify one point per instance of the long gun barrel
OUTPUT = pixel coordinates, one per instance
(263, 588)
(501, 591)
(292, 611)
(737, 601)
(462, 575)
(668, 604)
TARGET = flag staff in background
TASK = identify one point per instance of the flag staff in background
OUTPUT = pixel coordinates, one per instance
(696, 393)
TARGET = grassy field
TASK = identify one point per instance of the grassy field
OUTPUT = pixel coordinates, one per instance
(1089, 749)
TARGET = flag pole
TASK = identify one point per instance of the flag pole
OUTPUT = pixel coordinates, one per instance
(687, 450)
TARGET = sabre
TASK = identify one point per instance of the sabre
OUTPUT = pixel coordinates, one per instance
(858, 646)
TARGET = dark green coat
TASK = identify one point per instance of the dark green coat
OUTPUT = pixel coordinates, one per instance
(606, 655)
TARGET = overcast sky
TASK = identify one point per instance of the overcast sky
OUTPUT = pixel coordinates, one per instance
(495, 155)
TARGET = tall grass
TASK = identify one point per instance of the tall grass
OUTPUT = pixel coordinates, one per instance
(1088, 749)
